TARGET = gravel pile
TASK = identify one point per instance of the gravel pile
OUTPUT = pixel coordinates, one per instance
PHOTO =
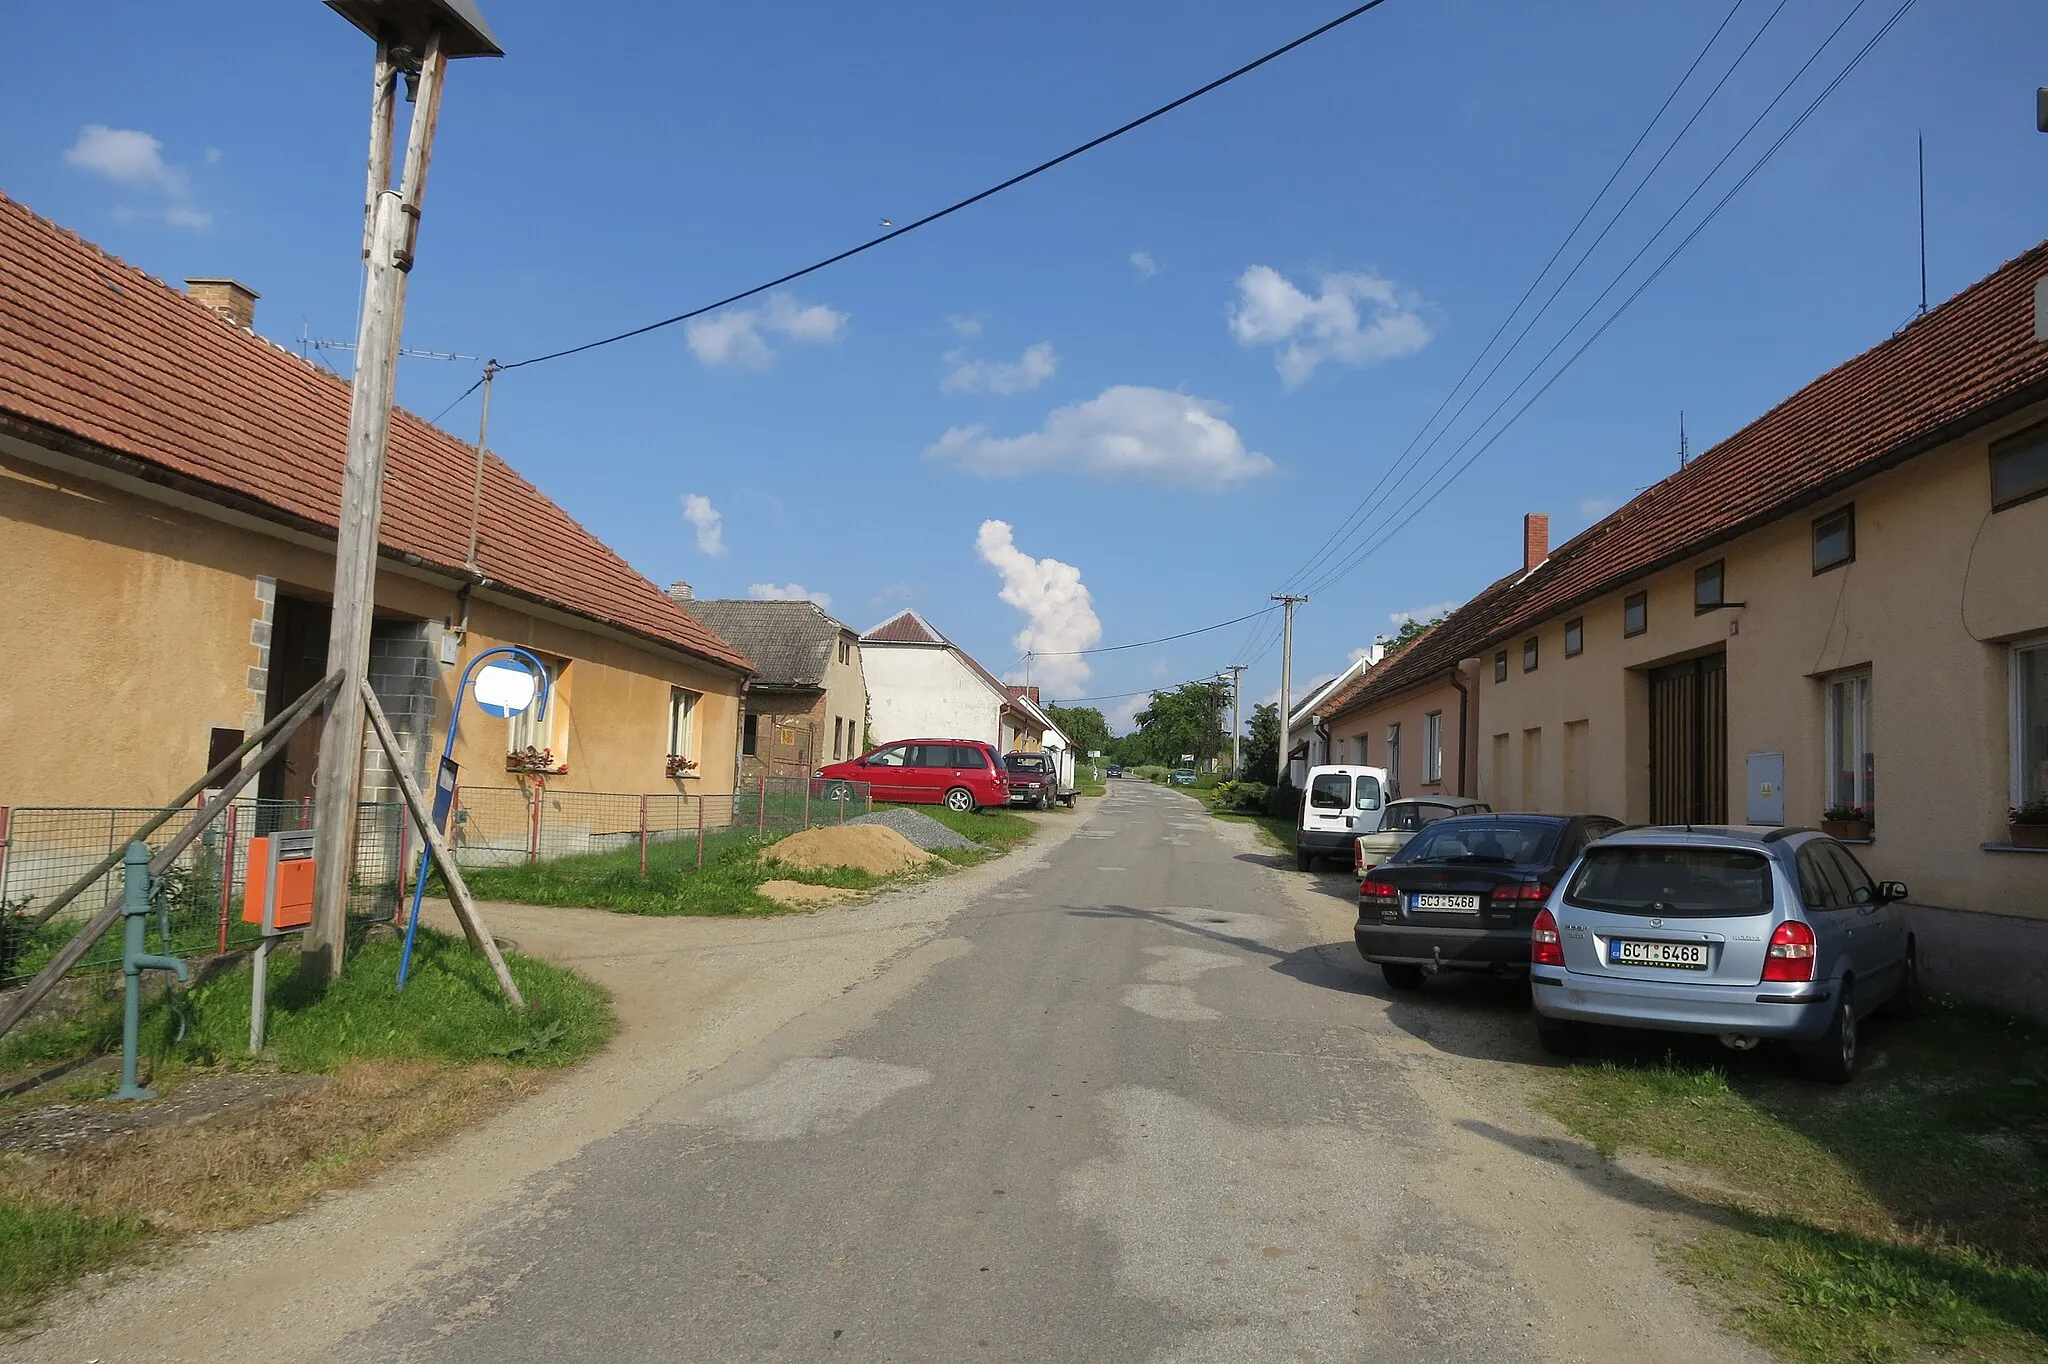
(921, 829)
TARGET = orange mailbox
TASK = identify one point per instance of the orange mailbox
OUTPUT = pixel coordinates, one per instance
(279, 894)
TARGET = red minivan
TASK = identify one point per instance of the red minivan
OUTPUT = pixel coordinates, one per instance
(961, 774)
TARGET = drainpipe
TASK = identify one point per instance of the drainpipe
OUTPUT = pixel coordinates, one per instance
(1322, 729)
(1465, 666)
(739, 737)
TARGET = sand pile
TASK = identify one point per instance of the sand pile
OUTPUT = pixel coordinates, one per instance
(798, 895)
(872, 848)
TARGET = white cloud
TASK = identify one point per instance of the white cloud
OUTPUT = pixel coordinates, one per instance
(964, 326)
(1421, 613)
(1059, 617)
(1125, 431)
(699, 512)
(129, 156)
(1037, 364)
(1593, 508)
(736, 337)
(1123, 716)
(788, 592)
(1142, 262)
(1356, 319)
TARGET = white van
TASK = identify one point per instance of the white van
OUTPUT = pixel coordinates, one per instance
(1341, 802)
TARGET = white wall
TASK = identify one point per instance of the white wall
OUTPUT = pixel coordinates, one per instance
(922, 691)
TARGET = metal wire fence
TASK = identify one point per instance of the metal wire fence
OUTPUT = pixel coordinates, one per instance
(43, 850)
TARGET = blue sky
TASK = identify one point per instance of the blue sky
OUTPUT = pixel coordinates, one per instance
(1170, 368)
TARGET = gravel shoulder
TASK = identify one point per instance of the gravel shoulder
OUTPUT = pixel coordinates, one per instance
(691, 992)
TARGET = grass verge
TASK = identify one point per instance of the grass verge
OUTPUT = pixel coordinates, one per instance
(349, 1079)
(1276, 833)
(1901, 1216)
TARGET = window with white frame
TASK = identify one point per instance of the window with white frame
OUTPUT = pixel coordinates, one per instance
(682, 717)
(1358, 746)
(1433, 746)
(1852, 765)
(2030, 722)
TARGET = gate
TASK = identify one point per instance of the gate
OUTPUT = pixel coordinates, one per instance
(1689, 742)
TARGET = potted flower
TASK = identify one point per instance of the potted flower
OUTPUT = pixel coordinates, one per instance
(2029, 823)
(680, 766)
(1845, 821)
(535, 761)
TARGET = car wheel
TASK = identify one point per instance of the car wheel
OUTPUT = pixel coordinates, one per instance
(1833, 1057)
(1304, 860)
(1045, 800)
(1906, 1002)
(839, 791)
(1401, 976)
(960, 800)
(1561, 1036)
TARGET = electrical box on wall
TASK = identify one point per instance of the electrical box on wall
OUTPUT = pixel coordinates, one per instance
(1766, 783)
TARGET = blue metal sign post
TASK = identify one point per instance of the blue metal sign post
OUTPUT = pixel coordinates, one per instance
(500, 697)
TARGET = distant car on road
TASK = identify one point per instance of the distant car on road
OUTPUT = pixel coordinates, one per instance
(1464, 892)
(1742, 933)
(1184, 776)
(1116, 772)
(1401, 820)
(961, 774)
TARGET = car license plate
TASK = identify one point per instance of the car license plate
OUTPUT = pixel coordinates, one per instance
(1681, 956)
(1454, 904)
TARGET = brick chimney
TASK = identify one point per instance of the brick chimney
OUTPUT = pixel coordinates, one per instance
(231, 301)
(681, 591)
(1025, 693)
(1535, 540)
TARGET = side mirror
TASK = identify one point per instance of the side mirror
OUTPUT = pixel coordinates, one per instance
(1888, 891)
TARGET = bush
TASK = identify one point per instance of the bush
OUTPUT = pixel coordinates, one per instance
(1284, 801)
(1241, 797)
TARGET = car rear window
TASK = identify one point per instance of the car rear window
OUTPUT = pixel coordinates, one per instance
(1672, 883)
(1368, 793)
(1024, 762)
(1330, 791)
(1516, 841)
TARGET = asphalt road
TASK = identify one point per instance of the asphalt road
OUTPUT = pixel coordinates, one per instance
(1131, 1106)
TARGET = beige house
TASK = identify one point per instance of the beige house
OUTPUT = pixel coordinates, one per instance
(807, 702)
(1844, 604)
(169, 484)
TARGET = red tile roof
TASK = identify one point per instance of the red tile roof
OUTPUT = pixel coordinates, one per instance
(98, 351)
(1965, 363)
(905, 627)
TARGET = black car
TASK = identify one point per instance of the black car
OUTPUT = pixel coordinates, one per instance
(1115, 771)
(1461, 894)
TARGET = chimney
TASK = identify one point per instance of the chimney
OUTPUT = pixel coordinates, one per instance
(1535, 540)
(232, 302)
(680, 591)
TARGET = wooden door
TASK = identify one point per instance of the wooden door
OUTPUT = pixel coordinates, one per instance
(1689, 742)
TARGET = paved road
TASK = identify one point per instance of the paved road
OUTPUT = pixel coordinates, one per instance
(1132, 1106)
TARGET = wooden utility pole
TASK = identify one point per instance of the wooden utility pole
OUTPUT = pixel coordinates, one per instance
(410, 38)
(1286, 678)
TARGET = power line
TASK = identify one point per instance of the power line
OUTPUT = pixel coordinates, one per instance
(1373, 546)
(968, 202)
(458, 400)
(1146, 643)
(1397, 470)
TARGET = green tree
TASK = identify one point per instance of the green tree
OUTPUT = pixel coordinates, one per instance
(1262, 745)
(1411, 630)
(1187, 719)
(1085, 725)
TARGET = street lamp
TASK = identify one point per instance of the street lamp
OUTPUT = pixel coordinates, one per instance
(415, 40)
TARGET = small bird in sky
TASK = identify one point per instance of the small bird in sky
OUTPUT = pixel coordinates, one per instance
(887, 223)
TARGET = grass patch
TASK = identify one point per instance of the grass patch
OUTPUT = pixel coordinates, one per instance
(1903, 1214)
(44, 1246)
(1276, 833)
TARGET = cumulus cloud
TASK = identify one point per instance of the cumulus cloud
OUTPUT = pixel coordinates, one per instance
(699, 512)
(739, 336)
(1123, 716)
(1037, 364)
(131, 157)
(1421, 613)
(788, 592)
(1123, 432)
(1059, 617)
(964, 325)
(1357, 319)
(1142, 262)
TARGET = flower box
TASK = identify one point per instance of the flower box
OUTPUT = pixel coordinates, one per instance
(2027, 835)
(1854, 830)
(538, 762)
(679, 766)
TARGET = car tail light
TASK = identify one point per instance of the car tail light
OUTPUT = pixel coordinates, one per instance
(1383, 894)
(1790, 957)
(1528, 890)
(1545, 947)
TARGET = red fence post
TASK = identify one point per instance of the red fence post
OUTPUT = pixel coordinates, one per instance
(533, 827)
(6, 841)
(305, 812)
(643, 838)
(227, 877)
(807, 802)
(761, 808)
(700, 833)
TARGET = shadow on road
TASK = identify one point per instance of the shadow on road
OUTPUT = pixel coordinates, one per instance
(1171, 921)
(1605, 1177)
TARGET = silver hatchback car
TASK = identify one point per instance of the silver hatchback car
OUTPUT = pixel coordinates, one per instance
(1743, 933)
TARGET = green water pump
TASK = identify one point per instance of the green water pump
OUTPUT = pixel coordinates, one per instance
(134, 961)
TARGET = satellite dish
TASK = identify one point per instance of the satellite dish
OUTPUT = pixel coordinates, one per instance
(505, 689)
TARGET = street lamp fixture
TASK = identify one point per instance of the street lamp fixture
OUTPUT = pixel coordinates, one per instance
(409, 23)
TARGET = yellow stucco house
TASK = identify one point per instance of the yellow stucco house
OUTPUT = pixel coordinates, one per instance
(1843, 605)
(169, 485)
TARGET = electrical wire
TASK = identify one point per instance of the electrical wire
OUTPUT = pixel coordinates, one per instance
(968, 202)
(1146, 643)
(1373, 546)
(458, 401)
(1398, 470)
